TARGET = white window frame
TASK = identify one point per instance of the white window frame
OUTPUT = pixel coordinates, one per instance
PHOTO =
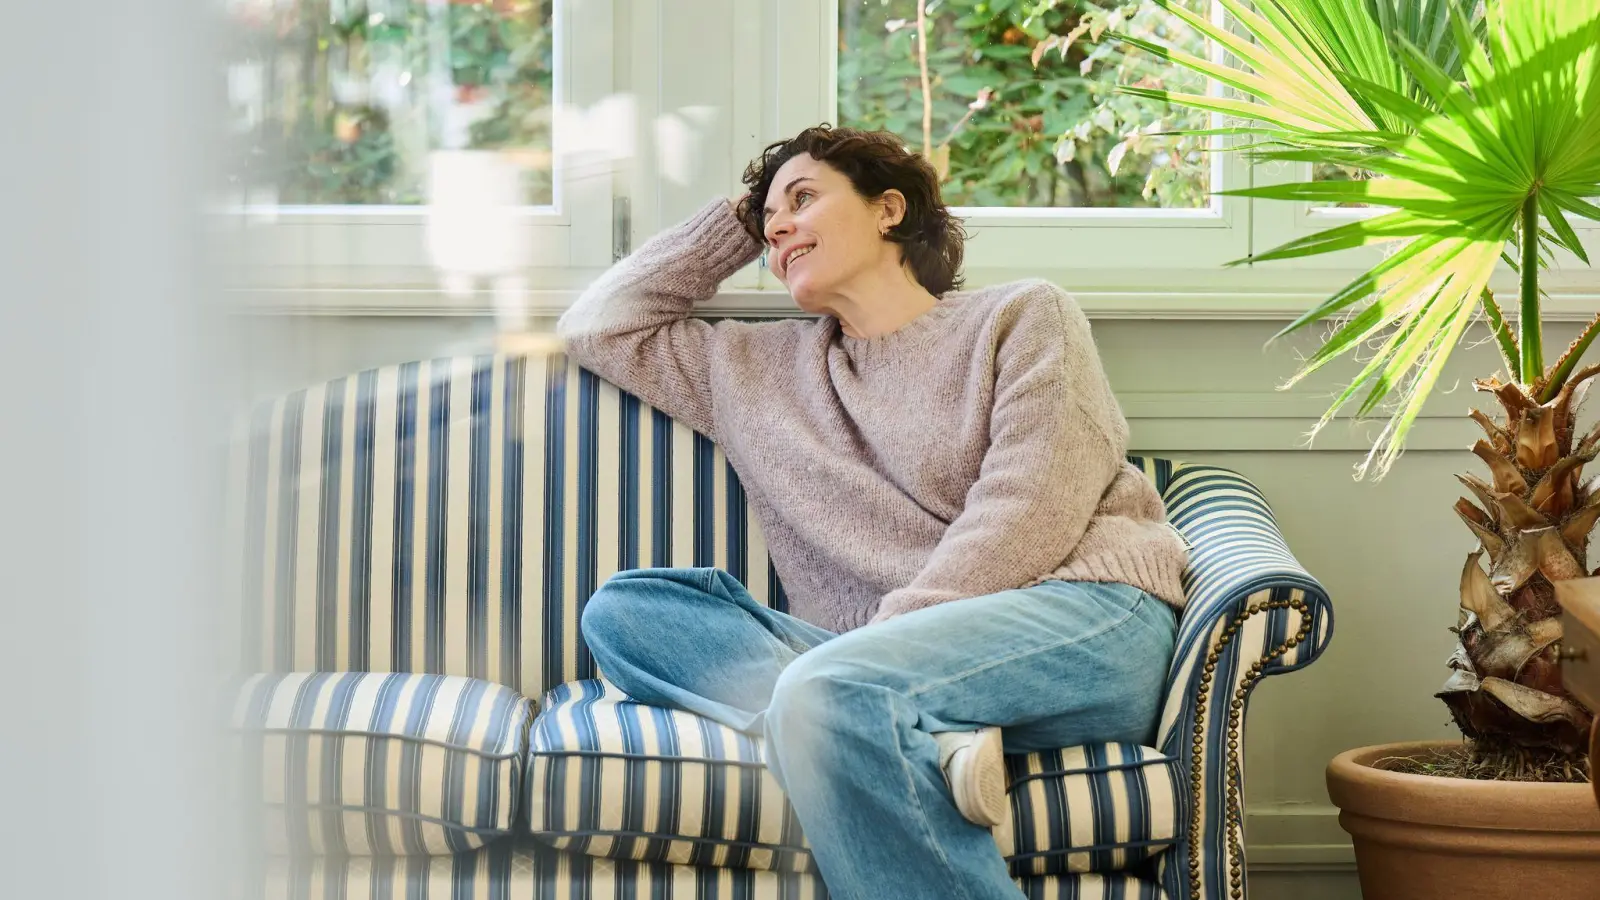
(690, 65)
(338, 255)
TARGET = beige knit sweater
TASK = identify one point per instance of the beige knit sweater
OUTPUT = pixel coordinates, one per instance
(974, 450)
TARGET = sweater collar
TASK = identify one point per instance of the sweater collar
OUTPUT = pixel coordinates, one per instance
(875, 350)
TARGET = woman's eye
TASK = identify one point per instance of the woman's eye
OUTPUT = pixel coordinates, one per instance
(801, 198)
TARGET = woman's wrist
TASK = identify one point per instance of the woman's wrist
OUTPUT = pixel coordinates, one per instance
(720, 240)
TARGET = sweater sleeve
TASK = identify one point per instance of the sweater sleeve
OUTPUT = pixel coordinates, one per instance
(1057, 440)
(634, 326)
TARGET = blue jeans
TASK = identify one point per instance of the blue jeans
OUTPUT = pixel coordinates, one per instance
(848, 719)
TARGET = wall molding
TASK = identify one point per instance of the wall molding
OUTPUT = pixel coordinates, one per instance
(1154, 303)
(1297, 837)
(1179, 437)
(1179, 422)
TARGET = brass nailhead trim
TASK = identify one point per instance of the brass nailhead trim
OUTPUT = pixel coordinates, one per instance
(1233, 815)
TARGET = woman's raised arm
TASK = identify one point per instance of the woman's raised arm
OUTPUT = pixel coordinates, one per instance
(634, 325)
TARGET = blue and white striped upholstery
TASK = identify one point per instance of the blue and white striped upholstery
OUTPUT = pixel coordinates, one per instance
(452, 516)
(1252, 611)
(612, 777)
(362, 763)
(1095, 808)
(507, 870)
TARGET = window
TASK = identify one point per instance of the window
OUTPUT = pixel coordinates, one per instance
(1054, 174)
(339, 104)
(351, 109)
(365, 132)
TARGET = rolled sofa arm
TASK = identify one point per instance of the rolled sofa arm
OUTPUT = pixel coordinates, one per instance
(1252, 611)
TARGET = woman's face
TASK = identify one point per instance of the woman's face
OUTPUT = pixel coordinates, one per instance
(822, 235)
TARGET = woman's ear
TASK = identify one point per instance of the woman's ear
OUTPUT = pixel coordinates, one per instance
(891, 210)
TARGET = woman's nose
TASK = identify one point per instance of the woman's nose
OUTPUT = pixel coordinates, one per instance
(777, 228)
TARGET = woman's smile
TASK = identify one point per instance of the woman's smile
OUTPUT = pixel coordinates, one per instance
(794, 257)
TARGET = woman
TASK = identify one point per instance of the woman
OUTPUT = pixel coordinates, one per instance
(941, 481)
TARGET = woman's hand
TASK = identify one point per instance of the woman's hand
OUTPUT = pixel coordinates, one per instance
(744, 211)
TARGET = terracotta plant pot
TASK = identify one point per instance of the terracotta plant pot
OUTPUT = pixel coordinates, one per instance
(1422, 837)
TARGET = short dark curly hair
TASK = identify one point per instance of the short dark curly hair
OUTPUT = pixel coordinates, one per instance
(930, 236)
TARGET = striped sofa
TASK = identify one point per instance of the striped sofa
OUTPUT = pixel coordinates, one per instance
(421, 719)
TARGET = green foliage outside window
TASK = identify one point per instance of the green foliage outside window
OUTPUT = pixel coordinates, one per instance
(350, 96)
(1024, 111)
(340, 101)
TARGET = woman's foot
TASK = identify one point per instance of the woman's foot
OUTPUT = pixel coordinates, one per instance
(974, 766)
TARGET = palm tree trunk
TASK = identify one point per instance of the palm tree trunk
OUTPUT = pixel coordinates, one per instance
(1532, 350)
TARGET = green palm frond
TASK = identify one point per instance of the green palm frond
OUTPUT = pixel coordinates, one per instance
(1479, 128)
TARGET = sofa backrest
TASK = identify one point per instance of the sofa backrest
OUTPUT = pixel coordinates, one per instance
(453, 515)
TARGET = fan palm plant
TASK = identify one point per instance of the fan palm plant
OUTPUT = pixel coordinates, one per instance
(1476, 130)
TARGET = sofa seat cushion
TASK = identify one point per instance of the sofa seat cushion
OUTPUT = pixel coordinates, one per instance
(612, 777)
(1094, 808)
(357, 763)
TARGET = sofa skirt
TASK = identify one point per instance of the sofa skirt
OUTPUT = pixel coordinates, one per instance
(523, 869)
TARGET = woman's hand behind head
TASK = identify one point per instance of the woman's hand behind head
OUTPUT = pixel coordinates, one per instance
(748, 212)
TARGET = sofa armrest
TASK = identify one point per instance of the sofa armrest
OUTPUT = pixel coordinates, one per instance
(1252, 611)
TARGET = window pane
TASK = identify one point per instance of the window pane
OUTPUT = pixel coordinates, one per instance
(341, 101)
(1335, 172)
(1006, 132)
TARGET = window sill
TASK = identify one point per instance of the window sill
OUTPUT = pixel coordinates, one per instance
(1565, 303)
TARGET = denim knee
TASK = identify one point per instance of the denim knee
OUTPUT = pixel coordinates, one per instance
(614, 609)
(609, 609)
(811, 695)
(800, 695)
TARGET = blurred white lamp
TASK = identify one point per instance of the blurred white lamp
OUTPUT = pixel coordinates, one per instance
(476, 229)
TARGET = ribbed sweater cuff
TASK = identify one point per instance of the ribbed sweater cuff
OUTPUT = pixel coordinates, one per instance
(719, 241)
(1161, 574)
